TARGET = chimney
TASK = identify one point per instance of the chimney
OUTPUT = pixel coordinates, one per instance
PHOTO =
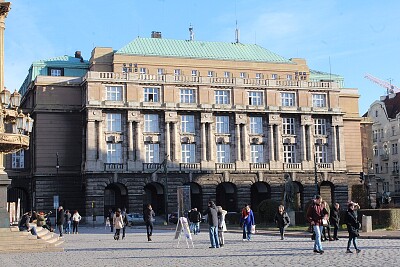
(155, 34)
(78, 54)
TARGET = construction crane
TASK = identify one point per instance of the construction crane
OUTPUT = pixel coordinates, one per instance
(390, 88)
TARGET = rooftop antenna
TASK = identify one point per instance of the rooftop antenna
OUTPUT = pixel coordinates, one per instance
(330, 69)
(191, 32)
(237, 34)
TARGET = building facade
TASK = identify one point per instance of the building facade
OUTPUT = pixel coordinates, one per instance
(230, 120)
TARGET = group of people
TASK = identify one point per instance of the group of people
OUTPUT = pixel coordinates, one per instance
(320, 219)
(65, 219)
(217, 226)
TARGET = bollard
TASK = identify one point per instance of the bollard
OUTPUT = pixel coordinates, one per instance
(366, 224)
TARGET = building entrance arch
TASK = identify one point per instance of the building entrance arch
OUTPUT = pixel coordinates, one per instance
(154, 195)
(259, 191)
(226, 196)
(115, 196)
(196, 195)
(15, 193)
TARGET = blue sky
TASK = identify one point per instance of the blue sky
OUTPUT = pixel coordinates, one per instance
(349, 38)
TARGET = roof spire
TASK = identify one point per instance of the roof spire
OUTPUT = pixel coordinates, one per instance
(191, 32)
(237, 34)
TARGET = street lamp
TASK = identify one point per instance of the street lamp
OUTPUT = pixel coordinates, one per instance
(317, 144)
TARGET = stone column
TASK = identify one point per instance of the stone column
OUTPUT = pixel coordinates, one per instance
(246, 144)
(139, 143)
(101, 141)
(176, 143)
(278, 143)
(303, 143)
(203, 142)
(271, 142)
(238, 144)
(211, 140)
(130, 140)
(167, 139)
(340, 150)
(334, 144)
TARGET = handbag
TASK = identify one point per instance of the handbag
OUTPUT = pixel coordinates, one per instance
(324, 222)
(253, 229)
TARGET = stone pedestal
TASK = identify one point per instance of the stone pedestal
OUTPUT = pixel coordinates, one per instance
(4, 215)
(292, 216)
(366, 224)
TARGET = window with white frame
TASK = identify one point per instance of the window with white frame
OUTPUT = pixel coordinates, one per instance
(395, 167)
(114, 93)
(142, 70)
(289, 77)
(243, 75)
(18, 160)
(177, 72)
(394, 149)
(188, 153)
(376, 151)
(187, 95)
(256, 125)
(256, 153)
(320, 126)
(151, 124)
(151, 94)
(393, 130)
(114, 153)
(227, 74)
(187, 123)
(259, 75)
(274, 76)
(223, 153)
(397, 186)
(210, 73)
(288, 99)
(222, 124)
(289, 153)
(321, 153)
(222, 97)
(56, 72)
(152, 153)
(255, 98)
(319, 100)
(114, 122)
(288, 126)
(160, 71)
(195, 73)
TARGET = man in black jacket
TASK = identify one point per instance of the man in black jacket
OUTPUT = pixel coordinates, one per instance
(213, 224)
(60, 220)
(335, 220)
(148, 217)
(195, 219)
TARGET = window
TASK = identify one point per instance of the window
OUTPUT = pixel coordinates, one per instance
(259, 75)
(210, 73)
(222, 124)
(394, 149)
(18, 160)
(395, 167)
(289, 77)
(55, 72)
(142, 70)
(227, 74)
(319, 100)
(222, 97)
(256, 125)
(151, 94)
(223, 153)
(320, 126)
(160, 71)
(274, 76)
(114, 153)
(376, 168)
(393, 131)
(256, 153)
(385, 186)
(187, 124)
(288, 126)
(152, 153)
(114, 123)
(288, 99)
(188, 153)
(255, 98)
(187, 96)
(376, 151)
(321, 154)
(194, 73)
(114, 93)
(289, 153)
(397, 186)
(243, 75)
(151, 123)
(177, 72)
(376, 113)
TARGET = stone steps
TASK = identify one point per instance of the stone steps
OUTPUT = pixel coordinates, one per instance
(13, 240)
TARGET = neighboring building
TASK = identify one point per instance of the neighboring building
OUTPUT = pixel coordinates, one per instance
(385, 115)
(228, 119)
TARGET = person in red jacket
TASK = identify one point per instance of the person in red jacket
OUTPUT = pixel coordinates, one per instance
(315, 213)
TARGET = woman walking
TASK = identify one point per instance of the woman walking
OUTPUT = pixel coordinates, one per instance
(248, 223)
(118, 221)
(282, 220)
(353, 227)
(75, 222)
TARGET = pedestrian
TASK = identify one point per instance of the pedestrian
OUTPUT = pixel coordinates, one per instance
(221, 225)
(315, 213)
(60, 220)
(24, 224)
(282, 220)
(110, 216)
(212, 224)
(353, 227)
(335, 220)
(326, 228)
(148, 217)
(248, 223)
(195, 219)
(125, 220)
(76, 218)
(68, 222)
(118, 223)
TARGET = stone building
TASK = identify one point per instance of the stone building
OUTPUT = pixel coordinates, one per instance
(230, 120)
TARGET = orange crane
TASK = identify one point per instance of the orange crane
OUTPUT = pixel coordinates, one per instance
(390, 88)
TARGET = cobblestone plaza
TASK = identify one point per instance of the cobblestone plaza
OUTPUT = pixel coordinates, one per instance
(96, 247)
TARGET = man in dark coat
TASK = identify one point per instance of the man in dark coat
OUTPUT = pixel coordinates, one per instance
(212, 214)
(60, 220)
(195, 219)
(315, 213)
(335, 220)
(148, 217)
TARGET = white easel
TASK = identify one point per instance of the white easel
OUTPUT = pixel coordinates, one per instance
(183, 226)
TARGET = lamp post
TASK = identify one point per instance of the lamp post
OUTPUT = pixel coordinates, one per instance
(165, 170)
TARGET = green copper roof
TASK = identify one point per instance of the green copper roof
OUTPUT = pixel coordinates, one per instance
(63, 60)
(201, 50)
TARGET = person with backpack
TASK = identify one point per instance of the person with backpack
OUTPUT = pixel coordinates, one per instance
(282, 220)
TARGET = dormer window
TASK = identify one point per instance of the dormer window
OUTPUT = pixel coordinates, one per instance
(56, 72)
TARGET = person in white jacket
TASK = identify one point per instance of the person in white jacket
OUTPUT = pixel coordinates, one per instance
(221, 225)
(75, 222)
(118, 221)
